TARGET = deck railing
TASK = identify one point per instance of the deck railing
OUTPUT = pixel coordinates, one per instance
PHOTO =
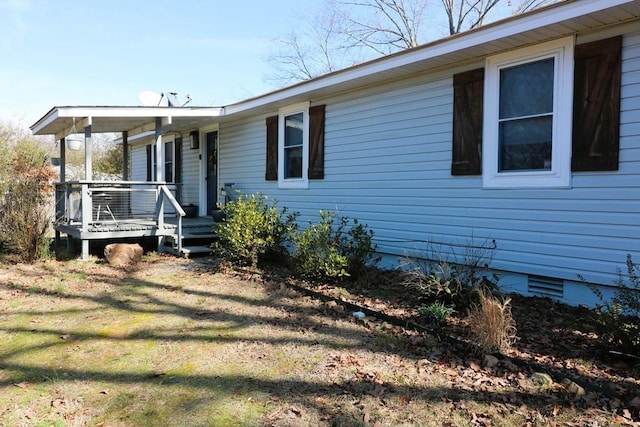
(90, 204)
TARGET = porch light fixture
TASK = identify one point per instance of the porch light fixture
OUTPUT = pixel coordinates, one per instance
(194, 140)
(74, 143)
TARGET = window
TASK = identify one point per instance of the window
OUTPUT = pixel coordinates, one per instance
(527, 124)
(168, 161)
(295, 146)
(527, 116)
(525, 119)
(171, 150)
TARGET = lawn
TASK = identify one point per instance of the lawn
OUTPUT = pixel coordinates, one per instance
(174, 343)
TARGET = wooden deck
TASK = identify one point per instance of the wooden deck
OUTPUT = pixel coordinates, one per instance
(118, 210)
(200, 229)
(132, 228)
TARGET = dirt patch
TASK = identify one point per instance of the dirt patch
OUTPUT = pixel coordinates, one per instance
(174, 343)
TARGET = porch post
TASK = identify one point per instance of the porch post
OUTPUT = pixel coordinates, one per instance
(125, 156)
(60, 201)
(87, 202)
(87, 212)
(88, 164)
(159, 175)
(63, 159)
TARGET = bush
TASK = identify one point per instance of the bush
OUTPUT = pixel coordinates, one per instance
(436, 313)
(332, 248)
(253, 229)
(449, 276)
(492, 323)
(618, 319)
(26, 189)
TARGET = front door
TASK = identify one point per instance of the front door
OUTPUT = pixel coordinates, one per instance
(212, 170)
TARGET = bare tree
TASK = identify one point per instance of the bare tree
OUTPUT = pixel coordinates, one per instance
(383, 26)
(317, 50)
(344, 33)
(347, 32)
(467, 14)
(528, 5)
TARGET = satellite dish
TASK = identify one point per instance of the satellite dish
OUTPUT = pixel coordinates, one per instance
(172, 98)
(149, 98)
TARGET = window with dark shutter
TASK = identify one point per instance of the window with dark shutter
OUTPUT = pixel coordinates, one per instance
(316, 142)
(468, 88)
(272, 149)
(596, 105)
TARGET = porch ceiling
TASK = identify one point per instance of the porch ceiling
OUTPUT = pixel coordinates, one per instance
(59, 121)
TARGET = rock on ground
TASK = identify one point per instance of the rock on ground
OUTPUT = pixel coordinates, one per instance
(121, 254)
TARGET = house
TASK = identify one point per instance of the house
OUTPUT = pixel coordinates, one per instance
(525, 132)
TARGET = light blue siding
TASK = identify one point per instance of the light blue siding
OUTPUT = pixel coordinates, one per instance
(138, 163)
(388, 163)
(190, 175)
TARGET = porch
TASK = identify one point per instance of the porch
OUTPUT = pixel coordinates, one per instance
(90, 210)
(113, 210)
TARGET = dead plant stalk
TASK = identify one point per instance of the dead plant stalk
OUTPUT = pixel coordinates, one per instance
(492, 323)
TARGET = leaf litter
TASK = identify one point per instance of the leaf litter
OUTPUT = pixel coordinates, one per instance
(278, 357)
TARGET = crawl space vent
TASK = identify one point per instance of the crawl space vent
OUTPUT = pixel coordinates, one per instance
(546, 287)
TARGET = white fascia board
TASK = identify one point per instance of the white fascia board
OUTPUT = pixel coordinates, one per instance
(84, 115)
(474, 38)
(46, 120)
(138, 111)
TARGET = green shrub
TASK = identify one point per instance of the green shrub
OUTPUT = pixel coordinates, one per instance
(451, 275)
(253, 229)
(333, 248)
(436, 313)
(26, 196)
(618, 319)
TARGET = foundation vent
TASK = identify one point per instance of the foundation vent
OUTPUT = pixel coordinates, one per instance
(546, 287)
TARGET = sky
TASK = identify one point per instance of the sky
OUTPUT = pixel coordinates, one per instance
(107, 52)
(94, 52)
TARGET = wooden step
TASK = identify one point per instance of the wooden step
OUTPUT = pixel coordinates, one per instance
(198, 235)
(188, 251)
(192, 250)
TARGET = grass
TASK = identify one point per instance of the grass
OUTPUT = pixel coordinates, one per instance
(171, 343)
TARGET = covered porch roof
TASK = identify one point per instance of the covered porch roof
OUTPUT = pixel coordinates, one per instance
(60, 121)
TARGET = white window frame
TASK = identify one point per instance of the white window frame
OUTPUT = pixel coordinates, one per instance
(173, 160)
(560, 174)
(172, 141)
(302, 182)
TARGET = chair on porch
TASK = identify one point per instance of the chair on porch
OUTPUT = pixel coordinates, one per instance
(103, 200)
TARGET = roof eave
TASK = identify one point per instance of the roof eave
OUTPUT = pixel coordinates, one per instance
(58, 121)
(469, 40)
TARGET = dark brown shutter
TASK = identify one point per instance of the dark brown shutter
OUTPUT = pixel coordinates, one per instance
(177, 158)
(149, 163)
(316, 142)
(468, 89)
(272, 149)
(596, 105)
